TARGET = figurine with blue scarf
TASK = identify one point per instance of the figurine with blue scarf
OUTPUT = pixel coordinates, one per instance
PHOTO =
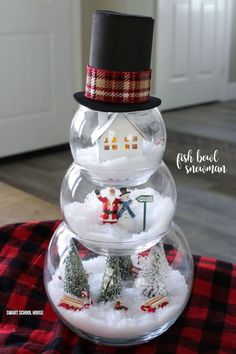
(125, 214)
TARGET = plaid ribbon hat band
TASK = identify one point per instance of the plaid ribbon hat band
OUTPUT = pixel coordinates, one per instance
(118, 86)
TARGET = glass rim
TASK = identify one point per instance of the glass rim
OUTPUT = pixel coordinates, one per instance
(161, 164)
(120, 242)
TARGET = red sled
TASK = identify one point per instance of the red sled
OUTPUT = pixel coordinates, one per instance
(119, 306)
(135, 271)
(74, 303)
(151, 305)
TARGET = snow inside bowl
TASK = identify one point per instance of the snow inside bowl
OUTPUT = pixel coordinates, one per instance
(118, 220)
(131, 144)
(146, 305)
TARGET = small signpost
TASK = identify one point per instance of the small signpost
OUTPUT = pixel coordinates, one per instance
(144, 199)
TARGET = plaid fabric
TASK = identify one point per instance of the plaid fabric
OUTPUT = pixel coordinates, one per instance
(117, 86)
(208, 324)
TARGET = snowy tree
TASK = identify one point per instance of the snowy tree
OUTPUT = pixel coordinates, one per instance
(125, 264)
(75, 278)
(111, 282)
(153, 275)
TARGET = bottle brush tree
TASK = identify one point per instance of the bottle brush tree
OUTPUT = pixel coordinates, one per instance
(126, 265)
(155, 272)
(111, 282)
(75, 277)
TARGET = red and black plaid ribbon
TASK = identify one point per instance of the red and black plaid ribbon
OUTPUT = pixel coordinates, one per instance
(118, 86)
(208, 324)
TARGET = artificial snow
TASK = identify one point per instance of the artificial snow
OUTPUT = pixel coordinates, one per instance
(84, 219)
(125, 166)
(102, 320)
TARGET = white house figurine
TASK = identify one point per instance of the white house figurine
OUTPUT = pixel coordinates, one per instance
(116, 136)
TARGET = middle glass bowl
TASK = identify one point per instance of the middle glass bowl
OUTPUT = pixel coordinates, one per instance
(118, 219)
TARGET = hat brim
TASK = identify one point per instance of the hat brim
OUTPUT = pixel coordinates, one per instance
(124, 193)
(116, 107)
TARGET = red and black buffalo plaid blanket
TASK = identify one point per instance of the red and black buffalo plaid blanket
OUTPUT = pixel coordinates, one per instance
(208, 324)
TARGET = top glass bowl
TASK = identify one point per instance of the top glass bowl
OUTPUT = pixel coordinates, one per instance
(110, 146)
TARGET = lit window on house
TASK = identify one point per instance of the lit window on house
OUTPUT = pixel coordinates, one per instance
(105, 140)
(114, 147)
(134, 146)
(106, 147)
(135, 138)
(114, 139)
(127, 146)
(126, 139)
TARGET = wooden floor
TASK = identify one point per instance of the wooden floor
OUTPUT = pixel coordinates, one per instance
(206, 209)
(18, 206)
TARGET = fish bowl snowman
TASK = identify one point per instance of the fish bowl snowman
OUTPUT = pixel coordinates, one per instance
(125, 216)
(118, 199)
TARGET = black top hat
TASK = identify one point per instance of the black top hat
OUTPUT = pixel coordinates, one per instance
(123, 191)
(118, 74)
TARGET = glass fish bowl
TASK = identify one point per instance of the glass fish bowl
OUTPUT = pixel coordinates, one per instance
(106, 142)
(118, 300)
(118, 219)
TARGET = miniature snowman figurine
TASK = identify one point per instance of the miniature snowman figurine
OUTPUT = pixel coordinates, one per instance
(110, 206)
(125, 214)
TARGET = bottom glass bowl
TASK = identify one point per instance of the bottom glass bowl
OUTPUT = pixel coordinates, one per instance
(123, 300)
